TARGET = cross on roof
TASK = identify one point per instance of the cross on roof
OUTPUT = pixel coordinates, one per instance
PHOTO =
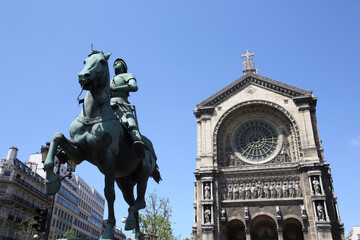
(247, 54)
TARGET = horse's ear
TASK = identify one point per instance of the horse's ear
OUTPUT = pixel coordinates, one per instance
(107, 55)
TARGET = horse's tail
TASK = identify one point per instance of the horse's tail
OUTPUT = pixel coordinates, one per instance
(156, 174)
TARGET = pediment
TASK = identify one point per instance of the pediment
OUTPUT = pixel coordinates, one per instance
(251, 79)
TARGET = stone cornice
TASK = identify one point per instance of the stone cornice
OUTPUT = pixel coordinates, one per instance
(244, 81)
(310, 100)
(204, 110)
(284, 167)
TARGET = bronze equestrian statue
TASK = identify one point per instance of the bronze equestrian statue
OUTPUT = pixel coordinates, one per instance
(100, 136)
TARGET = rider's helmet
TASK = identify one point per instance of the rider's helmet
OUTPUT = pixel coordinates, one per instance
(120, 63)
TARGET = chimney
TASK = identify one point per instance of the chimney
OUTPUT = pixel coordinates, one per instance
(12, 154)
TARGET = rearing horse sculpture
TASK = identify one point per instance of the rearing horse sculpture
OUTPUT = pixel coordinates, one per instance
(98, 136)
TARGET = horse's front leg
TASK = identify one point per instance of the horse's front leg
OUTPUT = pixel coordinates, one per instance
(109, 166)
(53, 180)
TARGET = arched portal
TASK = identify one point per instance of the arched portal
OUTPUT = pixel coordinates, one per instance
(236, 230)
(263, 228)
(292, 230)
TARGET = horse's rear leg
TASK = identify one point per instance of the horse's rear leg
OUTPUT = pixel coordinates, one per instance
(109, 195)
(132, 221)
(140, 197)
(127, 189)
(142, 176)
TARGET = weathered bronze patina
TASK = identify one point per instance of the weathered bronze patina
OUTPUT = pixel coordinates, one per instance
(98, 136)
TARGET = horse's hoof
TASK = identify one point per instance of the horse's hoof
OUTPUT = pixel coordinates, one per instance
(107, 236)
(52, 185)
(130, 223)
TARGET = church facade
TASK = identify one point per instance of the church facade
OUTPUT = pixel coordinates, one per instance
(260, 168)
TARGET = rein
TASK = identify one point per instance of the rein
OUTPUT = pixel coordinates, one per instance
(78, 97)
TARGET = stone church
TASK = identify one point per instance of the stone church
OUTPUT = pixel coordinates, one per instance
(260, 168)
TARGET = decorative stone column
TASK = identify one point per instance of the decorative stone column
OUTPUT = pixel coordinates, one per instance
(318, 197)
(207, 204)
(248, 234)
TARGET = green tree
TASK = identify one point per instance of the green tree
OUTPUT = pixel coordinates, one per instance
(25, 230)
(70, 234)
(155, 218)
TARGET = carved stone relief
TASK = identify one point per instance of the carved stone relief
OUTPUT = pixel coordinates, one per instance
(284, 154)
(269, 187)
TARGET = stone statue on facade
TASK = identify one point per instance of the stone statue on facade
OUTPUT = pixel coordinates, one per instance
(247, 216)
(99, 137)
(222, 215)
(224, 192)
(266, 190)
(279, 192)
(232, 159)
(247, 191)
(285, 189)
(230, 192)
(316, 186)
(207, 193)
(254, 192)
(272, 190)
(291, 189)
(320, 212)
(259, 188)
(241, 191)
(297, 189)
(236, 191)
(207, 214)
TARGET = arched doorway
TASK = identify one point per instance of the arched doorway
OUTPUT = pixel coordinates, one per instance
(236, 230)
(292, 230)
(263, 228)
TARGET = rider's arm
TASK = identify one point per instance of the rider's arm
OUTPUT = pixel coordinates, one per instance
(130, 86)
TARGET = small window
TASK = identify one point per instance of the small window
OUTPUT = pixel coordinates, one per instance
(3, 189)
(7, 173)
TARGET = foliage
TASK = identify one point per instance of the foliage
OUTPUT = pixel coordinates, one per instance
(155, 218)
(70, 234)
(26, 231)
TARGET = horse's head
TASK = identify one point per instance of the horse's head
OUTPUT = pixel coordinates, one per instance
(96, 70)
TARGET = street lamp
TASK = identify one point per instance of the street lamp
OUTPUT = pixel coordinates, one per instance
(44, 151)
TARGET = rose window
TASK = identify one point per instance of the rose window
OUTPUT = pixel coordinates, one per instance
(256, 141)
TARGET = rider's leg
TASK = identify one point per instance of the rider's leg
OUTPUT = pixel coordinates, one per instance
(138, 144)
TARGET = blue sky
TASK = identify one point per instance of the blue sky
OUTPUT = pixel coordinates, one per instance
(181, 52)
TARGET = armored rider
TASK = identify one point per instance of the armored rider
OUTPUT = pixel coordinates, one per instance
(120, 86)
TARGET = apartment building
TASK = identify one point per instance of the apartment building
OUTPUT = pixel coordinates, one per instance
(22, 190)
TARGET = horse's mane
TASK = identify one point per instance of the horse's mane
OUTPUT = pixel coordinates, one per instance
(95, 52)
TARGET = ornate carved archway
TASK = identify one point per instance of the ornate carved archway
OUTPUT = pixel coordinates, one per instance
(263, 227)
(256, 110)
(292, 229)
(236, 230)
